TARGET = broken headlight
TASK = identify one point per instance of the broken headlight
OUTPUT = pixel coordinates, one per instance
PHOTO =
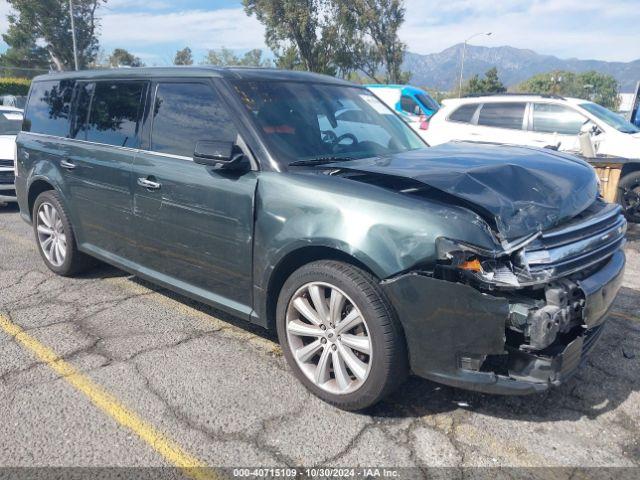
(464, 261)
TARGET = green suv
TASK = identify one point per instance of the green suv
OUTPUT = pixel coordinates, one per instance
(303, 204)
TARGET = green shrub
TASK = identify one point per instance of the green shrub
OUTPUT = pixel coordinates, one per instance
(14, 86)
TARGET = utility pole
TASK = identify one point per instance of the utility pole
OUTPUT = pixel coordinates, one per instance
(464, 51)
(73, 35)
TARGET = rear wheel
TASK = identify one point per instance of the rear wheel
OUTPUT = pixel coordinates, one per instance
(339, 334)
(55, 237)
(629, 196)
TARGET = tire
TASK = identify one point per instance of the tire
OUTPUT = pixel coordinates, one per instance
(48, 208)
(374, 375)
(629, 196)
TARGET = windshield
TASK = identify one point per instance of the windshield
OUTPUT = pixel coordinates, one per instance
(10, 122)
(428, 102)
(612, 119)
(306, 121)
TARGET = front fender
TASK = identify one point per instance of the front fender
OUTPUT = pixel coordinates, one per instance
(387, 231)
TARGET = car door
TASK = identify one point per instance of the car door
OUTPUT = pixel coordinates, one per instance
(501, 122)
(194, 223)
(553, 124)
(98, 159)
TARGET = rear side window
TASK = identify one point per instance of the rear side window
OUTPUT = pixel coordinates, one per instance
(109, 112)
(502, 115)
(185, 113)
(550, 118)
(49, 107)
(464, 113)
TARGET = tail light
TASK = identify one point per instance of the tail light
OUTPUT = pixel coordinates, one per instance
(424, 122)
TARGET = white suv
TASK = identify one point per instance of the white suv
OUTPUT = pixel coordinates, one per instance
(10, 125)
(533, 120)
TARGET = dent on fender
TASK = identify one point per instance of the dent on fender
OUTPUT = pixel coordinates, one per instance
(387, 232)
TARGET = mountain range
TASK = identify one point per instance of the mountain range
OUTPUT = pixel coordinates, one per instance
(440, 71)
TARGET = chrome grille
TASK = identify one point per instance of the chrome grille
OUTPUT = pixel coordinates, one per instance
(587, 240)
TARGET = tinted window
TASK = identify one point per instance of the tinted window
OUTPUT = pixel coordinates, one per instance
(409, 105)
(186, 113)
(49, 106)
(556, 119)
(84, 95)
(502, 115)
(464, 113)
(114, 114)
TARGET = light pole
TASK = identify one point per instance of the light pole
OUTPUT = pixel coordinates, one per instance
(73, 35)
(464, 51)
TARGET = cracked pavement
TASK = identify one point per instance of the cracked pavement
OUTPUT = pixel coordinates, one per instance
(222, 391)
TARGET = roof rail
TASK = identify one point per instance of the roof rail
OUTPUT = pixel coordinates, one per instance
(515, 94)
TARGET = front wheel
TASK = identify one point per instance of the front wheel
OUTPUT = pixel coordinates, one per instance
(629, 196)
(340, 336)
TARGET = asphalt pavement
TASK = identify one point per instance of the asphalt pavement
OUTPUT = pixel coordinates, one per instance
(107, 370)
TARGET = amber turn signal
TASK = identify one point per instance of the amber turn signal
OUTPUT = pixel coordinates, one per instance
(473, 265)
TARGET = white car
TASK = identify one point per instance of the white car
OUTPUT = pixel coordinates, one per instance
(10, 125)
(534, 120)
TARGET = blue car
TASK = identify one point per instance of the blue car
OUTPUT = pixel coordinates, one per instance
(406, 100)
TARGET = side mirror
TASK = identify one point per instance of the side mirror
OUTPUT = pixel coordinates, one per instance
(217, 154)
(590, 128)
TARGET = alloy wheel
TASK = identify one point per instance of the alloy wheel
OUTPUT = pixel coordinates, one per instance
(329, 338)
(51, 234)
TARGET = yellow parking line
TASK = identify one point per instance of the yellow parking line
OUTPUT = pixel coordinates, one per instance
(190, 465)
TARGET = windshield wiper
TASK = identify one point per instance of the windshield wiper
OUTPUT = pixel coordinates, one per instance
(319, 161)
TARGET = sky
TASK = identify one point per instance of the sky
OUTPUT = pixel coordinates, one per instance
(587, 29)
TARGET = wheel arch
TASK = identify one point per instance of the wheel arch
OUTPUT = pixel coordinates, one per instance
(628, 168)
(36, 187)
(293, 261)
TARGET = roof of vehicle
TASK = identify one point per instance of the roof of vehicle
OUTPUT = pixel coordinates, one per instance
(516, 97)
(232, 73)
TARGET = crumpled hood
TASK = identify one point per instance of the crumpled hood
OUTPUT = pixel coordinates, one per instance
(519, 190)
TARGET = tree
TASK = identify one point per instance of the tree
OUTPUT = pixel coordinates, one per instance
(597, 87)
(221, 58)
(122, 58)
(225, 57)
(183, 57)
(489, 84)
(253, 58)
(39, 33)
(373, 26)
(303, 34)
(335, 37)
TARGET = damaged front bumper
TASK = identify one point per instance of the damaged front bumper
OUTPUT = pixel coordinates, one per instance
(458, 336)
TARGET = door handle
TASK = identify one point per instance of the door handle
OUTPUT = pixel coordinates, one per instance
(149, 184)
(66, 164)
